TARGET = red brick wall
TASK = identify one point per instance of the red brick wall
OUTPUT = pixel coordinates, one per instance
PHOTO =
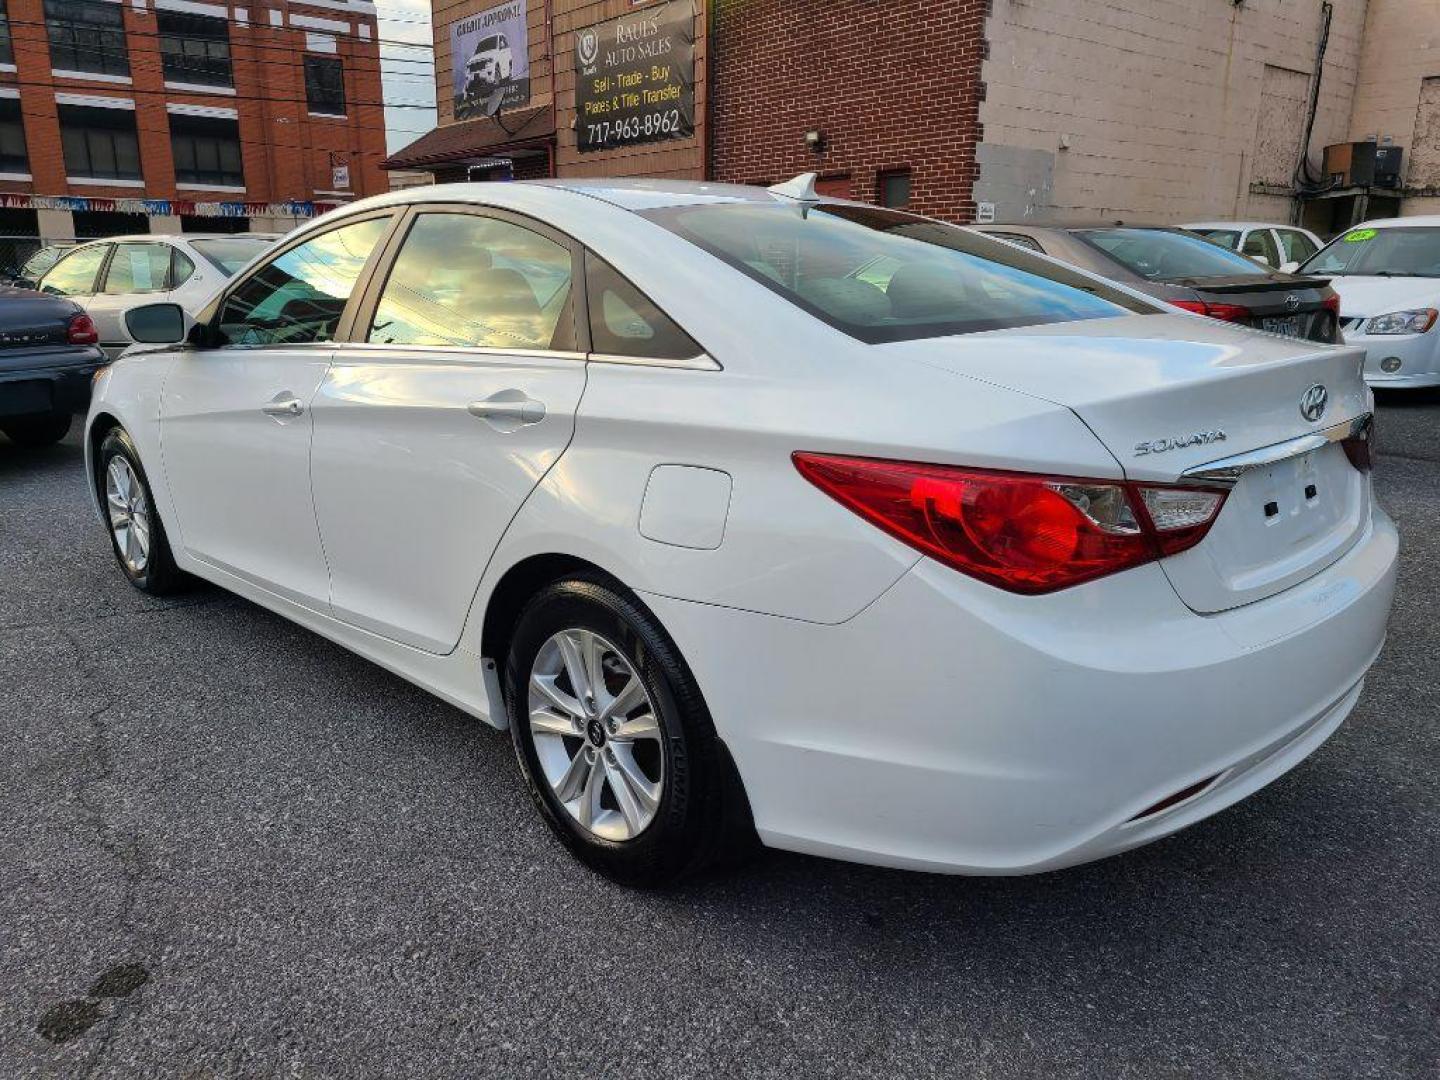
(287, 152)
(891, 83)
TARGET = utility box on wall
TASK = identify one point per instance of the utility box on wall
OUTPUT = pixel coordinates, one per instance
(1364, 164)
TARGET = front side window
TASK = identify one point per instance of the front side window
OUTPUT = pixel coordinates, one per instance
(87, 35)
(325, 85)
(195, 48)
(206, 150)
(300, 295)
(99, 144)
(626, 322)
(1161, 254)
(880, 275)
(13, 155)
(1228, 238)
(1261, 245)
(1297, 246)
(138, 268)
(74, 275)
(466, 280)
(1406, 251)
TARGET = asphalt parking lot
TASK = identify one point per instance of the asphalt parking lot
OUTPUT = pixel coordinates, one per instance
(230, 848)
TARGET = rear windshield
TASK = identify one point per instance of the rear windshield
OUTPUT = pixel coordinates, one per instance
(1161, 255)
(230, 255)
(1404, 252)
(880, 275)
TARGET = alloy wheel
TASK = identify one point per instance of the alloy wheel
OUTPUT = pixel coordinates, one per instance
(596, 734)
(129, 507)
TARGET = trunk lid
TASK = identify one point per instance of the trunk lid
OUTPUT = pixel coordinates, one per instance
(1167, 394)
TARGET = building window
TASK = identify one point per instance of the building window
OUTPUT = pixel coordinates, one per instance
(87, 35)
(7, 49)
(207, 150)
(13, 158)
(325, 85)
(99, 144)
(195, 48)
(894, 188)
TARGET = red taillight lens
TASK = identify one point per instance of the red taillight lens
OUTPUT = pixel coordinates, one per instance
(1225, 312)
(1024, 533)
(81, 331)
(1331, 304)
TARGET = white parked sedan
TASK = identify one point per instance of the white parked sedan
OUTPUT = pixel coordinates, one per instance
(1274, 245)
(749, 512)
(109, 277)
(1388, 276)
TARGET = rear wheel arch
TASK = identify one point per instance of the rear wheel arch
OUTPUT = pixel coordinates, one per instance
(515, 589)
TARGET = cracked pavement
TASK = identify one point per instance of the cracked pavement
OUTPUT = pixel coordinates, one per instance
(232, 849)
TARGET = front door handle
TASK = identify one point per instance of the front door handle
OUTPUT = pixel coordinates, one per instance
(286, 404)
(508, 410)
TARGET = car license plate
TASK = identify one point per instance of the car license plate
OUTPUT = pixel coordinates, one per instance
(25, 398)
(1284, 325)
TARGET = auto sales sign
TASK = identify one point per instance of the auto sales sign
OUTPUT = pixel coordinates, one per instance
(635, 78)
(490, 61)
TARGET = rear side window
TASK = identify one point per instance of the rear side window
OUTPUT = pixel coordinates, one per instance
(1297, 246)
(1224, 237)
(74, 275)
(1161, 255)
(300, 295)
(467, 280)
(181, 268)
(137, 268)
(232, 254)
(882, 275)
(626, 322)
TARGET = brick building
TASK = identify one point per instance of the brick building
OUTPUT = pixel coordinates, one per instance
(880, 99)
(171, 115)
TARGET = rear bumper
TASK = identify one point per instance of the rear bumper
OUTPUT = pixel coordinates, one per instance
(950, 727)
(45, 386)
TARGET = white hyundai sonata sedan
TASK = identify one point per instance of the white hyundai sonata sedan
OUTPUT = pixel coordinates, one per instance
(753, 513)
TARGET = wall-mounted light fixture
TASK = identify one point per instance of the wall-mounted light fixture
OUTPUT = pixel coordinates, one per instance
(815, 140)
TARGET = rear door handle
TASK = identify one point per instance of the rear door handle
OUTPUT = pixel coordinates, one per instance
(508, 410)
(286, 404)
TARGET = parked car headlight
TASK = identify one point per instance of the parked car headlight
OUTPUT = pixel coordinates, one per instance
(1403, 322)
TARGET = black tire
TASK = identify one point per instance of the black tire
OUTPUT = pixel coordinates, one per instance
(160, 576)
(703, 817)
(36, 431)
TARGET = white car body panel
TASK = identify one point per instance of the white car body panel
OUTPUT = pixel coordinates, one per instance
(954, 727)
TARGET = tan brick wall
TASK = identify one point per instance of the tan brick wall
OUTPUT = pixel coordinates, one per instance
(1163, 102)
(1401, 52)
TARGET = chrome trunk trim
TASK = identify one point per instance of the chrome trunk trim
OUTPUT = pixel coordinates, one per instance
(1227, 471)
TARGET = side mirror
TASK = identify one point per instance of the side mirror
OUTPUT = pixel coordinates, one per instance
(157, 324)
(1289, 267)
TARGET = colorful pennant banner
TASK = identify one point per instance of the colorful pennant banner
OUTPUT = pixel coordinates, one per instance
(166, 207)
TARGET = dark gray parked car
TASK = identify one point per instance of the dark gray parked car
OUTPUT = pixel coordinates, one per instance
(49, 353)
(1190, 272)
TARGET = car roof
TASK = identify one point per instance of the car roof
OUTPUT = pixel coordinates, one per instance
(1430, 221)
(1240, 225)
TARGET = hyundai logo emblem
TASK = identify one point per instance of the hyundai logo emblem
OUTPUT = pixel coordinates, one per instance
(1313, 403)
(1292, 302)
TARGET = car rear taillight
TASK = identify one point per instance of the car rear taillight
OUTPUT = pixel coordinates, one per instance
(1022, 532)
(81, 331)
(1331, 304)
(1360, 448)
(1224, 312)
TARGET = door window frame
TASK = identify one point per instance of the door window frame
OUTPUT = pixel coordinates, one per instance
(209, 318)
(357, 331)
(101, 272)
(102, 280)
